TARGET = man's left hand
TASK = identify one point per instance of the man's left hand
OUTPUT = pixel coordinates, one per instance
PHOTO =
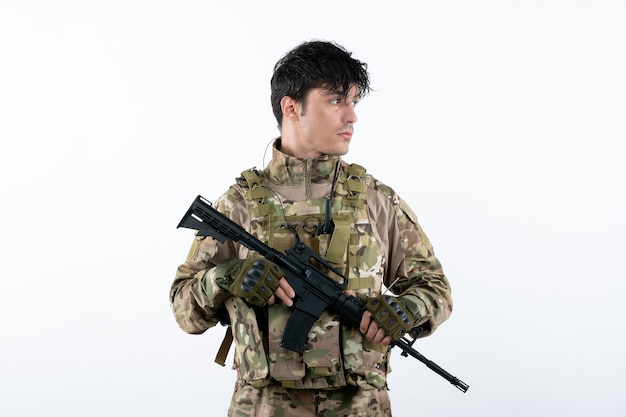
(372, 331)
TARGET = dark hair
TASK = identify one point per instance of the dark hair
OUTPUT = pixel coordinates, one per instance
(316, 64)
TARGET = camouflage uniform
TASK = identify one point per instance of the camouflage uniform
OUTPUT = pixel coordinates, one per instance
(377, 240)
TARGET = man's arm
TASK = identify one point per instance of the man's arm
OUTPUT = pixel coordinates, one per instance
(413, 272)
(195, 298)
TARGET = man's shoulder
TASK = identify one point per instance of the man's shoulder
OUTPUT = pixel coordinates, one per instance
(234, 195)
(380, 188)
(386, 198)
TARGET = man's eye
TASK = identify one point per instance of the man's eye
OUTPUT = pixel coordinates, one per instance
(340, 100)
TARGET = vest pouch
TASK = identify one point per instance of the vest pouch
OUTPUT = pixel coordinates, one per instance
(250, 356)
(286, 365)
(367, 365)
(319, 366)
(322, 354)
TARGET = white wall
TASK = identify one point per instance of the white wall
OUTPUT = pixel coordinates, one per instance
(500, 122)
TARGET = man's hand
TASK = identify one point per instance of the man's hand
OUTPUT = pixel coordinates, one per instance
(385, 320)
(372, 331)
(284, 293)
(258, 281)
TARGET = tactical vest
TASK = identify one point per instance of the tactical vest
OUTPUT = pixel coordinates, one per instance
(334, 355)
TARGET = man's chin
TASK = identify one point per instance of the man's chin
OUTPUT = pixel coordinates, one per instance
(342, 150)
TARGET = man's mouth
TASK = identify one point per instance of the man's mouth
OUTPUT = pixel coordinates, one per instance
(346, 134)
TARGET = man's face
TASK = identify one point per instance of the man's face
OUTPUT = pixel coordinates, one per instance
(325, 122)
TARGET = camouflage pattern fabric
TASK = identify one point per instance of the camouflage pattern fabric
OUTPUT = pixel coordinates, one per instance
(301, 209)
(276, 401)
(383, 245)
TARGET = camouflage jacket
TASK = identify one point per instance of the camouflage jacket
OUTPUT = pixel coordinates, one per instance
(377, 241)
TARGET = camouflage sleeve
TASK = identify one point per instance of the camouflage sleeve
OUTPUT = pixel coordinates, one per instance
(413, 271)
(195, 298)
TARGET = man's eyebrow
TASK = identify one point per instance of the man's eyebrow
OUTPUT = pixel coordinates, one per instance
(332, 90)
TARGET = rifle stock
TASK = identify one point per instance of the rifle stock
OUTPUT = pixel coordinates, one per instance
(315, 290)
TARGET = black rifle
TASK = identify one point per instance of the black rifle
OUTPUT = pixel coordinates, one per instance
(315, 290)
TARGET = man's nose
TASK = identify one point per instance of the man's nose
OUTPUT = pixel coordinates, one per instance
(351, 116)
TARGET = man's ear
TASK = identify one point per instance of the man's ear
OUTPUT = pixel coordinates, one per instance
(290, 108)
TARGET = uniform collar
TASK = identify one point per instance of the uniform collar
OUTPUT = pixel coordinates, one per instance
(288, 170)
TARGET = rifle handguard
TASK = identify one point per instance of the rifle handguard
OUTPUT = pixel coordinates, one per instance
(254, 280)
(391, 315)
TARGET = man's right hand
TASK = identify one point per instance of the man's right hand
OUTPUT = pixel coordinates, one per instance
(284, 293)
(258, 281)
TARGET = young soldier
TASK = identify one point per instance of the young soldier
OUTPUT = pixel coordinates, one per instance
(369, 234)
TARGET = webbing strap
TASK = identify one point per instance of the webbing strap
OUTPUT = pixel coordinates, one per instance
(360, 283)
(258, 191)
(251, 177)
(288, 384)
(339, 240)
(222, 352)
(355, 186)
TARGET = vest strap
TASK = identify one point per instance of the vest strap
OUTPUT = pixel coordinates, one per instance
(360, 283)
(355, 186)
(339, 240)
(222, 353)
(258, 191)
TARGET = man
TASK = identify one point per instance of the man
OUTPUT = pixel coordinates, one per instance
(356, 223)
